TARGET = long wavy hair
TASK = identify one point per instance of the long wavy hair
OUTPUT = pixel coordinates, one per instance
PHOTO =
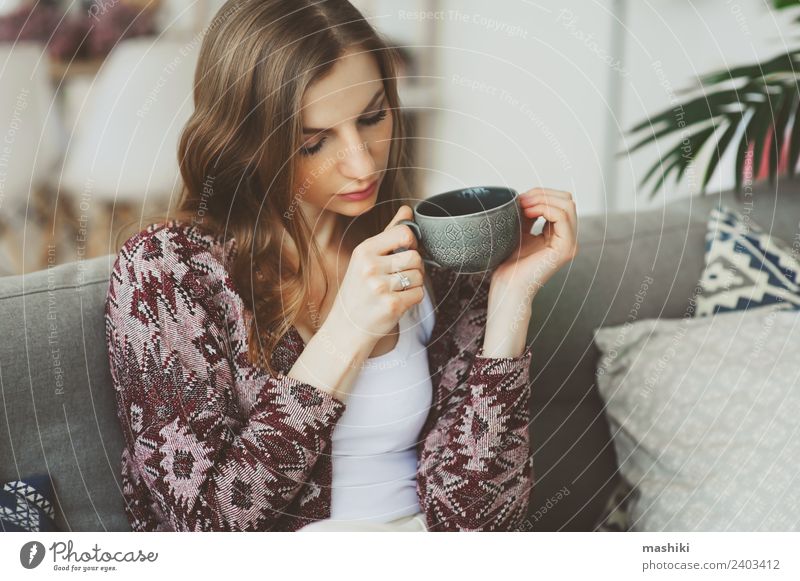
(238, 151)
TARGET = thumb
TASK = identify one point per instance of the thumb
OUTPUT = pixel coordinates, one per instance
(403, 213)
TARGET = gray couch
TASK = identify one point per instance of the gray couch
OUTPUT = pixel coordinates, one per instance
(58, 408)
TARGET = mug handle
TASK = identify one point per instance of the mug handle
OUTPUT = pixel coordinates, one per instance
(418, 233)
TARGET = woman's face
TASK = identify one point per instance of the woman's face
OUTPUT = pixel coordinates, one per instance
(347, 136)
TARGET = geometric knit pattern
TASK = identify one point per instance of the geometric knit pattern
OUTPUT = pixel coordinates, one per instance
(745, 267)
(26, 505)
(213, 443)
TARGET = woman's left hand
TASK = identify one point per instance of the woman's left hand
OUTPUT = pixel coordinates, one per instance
(539, 256)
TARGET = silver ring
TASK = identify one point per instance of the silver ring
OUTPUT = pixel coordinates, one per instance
(405, 282)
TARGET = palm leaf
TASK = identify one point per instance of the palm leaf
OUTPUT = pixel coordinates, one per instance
(756, 124)
(757, 133)
(779, 135)
(756, 115)
(794, 140)
(722, 145)
(777, 65)
(700, 108)
(677, 160)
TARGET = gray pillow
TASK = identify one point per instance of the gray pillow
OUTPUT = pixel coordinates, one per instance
(704, 416)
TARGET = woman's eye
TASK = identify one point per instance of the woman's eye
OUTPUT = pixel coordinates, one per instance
(311, 150)
(375, 118)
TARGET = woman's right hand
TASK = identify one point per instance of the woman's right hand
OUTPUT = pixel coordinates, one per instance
(370, 299)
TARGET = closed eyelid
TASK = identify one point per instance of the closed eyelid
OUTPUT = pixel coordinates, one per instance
(361, 117)
(313, 131)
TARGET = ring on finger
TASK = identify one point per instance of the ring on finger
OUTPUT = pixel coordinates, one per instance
(405, 282)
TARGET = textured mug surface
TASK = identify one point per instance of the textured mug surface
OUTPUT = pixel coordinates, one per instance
(468, 230)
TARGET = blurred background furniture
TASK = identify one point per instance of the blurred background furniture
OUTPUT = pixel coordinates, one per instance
(31, 148)
(122, 157)
(58, 405)
(106, 89)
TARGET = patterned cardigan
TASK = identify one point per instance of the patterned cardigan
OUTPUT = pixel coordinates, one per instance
(213, 443)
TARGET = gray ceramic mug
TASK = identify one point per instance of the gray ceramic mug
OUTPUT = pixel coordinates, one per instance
(468, 230)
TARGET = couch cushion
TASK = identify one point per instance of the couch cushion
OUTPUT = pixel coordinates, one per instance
(57, 392)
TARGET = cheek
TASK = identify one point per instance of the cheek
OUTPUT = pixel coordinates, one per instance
(381, 138)
(313, 179)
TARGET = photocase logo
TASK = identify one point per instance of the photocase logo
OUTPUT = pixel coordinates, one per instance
(31, 554)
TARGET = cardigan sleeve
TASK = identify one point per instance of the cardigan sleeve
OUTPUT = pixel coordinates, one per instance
(476, 468)
(206, 464)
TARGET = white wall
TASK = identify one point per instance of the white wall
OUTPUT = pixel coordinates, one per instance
(543, 92)
(522, 99)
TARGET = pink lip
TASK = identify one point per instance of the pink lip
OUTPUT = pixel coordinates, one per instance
(362, 195)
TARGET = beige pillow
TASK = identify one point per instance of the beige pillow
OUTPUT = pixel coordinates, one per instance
(704, 415)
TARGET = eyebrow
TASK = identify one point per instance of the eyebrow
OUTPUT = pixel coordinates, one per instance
(370, 104)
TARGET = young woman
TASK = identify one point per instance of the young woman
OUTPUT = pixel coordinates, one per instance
(277, 365)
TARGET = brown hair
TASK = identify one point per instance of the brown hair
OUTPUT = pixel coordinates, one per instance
(237, 151)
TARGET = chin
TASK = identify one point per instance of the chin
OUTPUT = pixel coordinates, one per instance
(356, 208)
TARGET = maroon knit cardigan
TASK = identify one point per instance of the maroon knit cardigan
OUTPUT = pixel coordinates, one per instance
(215, 444)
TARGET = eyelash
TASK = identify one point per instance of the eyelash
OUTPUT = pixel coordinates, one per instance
(374, 120)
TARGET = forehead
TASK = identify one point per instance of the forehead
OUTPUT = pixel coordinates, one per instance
(343, 92)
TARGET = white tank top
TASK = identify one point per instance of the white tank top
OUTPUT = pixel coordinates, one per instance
(374, 442)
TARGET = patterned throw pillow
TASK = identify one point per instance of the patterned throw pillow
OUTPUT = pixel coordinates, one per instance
(746, 267)
(615, 517)
(27, 506)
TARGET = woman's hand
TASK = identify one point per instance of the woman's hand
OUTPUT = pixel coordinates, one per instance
(368, 304)
(517, 279)
(538, 257)
(371, 298)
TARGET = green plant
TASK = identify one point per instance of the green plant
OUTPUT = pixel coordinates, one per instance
(754, 109)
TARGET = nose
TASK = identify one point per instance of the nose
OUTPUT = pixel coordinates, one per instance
(356, 161)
